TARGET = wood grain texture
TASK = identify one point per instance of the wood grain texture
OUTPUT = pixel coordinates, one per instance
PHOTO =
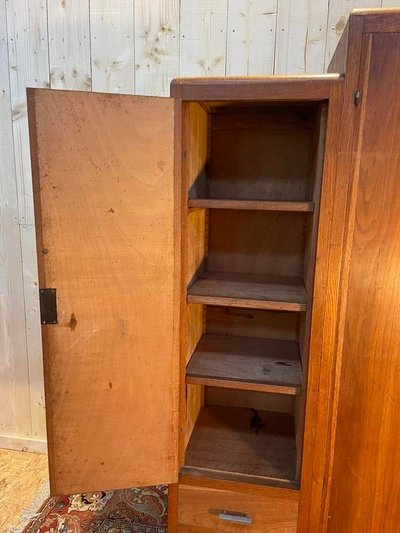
(15, 416)
(261, 153)
(192, 155)
(255, 242)
(367, 444)
(252, 323)
(250, 37)
(246, 363)
(322, 348)
(336, 236)
(112, 253)
(224, 445)
(286, 88)
(69, 45)
(277, 403)
(380, 21)
(346, 167)
(199, 506)
(246, 290)
(300, 21)
(203, 37)
(29, 67)
(251, 205)
(339, 12)
(156, 45)
(249, 488)
(310, 238)
(34, 341)
(111, 46)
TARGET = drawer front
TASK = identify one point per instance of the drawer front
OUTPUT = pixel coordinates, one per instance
(205, 510)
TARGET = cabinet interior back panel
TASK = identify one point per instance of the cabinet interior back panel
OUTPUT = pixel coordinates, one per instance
(256, 242)
(262, 153)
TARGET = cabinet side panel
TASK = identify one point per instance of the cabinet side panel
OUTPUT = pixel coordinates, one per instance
(365, 484)
(104, 191)
(194, 160)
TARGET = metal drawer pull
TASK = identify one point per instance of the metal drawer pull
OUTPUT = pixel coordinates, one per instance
(238, 518)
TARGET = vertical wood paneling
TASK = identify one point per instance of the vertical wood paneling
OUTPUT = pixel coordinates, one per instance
(156, 45)
(28, 55)
(251, 37)
(69, 44)
(14, 378)
(203, 37)
(33, 332)
(29, 67)
(112, 45)
(300, 36)
(339, 11)
(316, 37)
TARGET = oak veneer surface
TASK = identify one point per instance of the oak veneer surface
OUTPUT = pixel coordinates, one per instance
(366, 482)
(247, 363)
(199, 508)
(104, 192)
(249, 290)
(224, 443)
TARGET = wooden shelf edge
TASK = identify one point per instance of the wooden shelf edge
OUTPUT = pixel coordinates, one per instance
(256, 205)
(246, 363)
(195, 471)
(243, 385)
(270, 305)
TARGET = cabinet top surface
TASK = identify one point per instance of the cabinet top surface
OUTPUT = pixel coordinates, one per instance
(283, 88)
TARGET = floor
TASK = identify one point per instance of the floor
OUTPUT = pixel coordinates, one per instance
(23, 476)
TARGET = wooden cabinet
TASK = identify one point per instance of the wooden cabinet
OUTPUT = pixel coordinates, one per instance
(224, 268)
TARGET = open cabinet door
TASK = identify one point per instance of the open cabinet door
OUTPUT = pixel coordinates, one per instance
(108, 246)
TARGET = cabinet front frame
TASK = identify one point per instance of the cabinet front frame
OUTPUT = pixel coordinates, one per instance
(320, 378)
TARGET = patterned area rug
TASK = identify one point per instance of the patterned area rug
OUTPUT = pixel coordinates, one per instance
(121, 511)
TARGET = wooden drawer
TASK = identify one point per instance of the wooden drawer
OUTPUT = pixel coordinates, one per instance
(203, 509)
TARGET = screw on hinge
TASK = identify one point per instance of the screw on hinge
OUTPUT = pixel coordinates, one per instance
(357, 97)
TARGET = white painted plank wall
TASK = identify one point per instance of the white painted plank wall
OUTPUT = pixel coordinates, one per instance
(29, 67)
(125, 46)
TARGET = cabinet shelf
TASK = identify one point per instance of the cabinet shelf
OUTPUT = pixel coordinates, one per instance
(246, 363)
(253, 205)
(279, 293)
(225, 444)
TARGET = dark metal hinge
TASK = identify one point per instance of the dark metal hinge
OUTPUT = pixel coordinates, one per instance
(357, 97)
(48, 306)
